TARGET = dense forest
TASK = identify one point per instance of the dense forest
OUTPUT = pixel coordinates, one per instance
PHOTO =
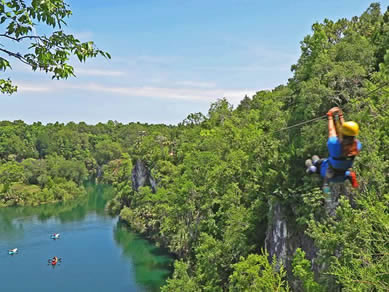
(227, 192)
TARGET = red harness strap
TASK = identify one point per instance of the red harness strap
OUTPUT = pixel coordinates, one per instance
(353, 179)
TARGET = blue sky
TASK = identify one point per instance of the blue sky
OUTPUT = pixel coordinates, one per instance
(171, 58)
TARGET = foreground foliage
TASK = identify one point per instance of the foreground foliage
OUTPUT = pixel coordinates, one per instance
(24, 39)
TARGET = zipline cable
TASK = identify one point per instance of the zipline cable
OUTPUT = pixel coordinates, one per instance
(302, 123)
(378, 88)
(324, 116)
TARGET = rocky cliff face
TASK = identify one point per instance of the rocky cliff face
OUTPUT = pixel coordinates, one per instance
(141, 177)
(276, 242)
(284, 236)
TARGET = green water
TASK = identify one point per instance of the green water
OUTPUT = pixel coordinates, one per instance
(98, 252)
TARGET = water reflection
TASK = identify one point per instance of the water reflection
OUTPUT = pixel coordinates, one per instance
(11, 218)
(153, 264)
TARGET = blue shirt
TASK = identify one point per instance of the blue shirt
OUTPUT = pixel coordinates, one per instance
(335, 151)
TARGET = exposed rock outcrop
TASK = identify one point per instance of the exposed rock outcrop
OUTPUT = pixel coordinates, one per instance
(141, 177)
(284, 236)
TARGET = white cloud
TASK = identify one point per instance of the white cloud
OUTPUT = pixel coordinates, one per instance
(246, 68)
(156, 59)
(78, 70)
(194, 94)
(33, 88)
(197, 84)
(98, 72)
(83, 36)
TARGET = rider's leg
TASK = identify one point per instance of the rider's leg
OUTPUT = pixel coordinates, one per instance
(316, 159)
(310, 167)
(313, 165)
(329, 174)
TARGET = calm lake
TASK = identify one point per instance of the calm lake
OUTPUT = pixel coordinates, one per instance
(98, 253)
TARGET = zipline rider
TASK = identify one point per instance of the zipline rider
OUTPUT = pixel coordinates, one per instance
(342, 147)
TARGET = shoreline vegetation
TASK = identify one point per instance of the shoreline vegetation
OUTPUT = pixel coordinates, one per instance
(227, 180)
(25, 195)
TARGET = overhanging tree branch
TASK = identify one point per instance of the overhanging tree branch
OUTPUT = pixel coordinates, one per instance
(23, 37)
(16, 55)
(49, 53)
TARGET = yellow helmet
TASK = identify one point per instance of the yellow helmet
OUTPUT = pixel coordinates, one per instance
(350, 128)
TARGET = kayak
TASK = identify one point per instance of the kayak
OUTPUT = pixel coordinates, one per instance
(54, 261)
(54, 236)
(13, 251)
